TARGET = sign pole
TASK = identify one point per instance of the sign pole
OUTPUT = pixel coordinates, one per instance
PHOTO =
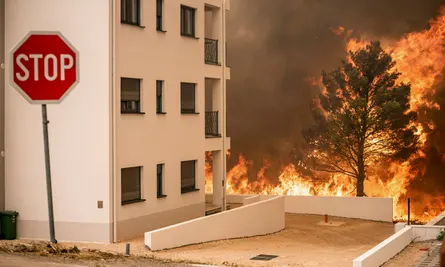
(42, 75)
(49, 189)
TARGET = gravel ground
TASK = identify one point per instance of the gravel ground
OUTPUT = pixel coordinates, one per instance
(19, 260)
(304, 242)
(410, 255)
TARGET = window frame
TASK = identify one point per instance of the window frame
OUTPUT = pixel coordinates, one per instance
(139, 198)
(160, 15)
(193, 188)
(160, 97)
(125, 20)
(186, 111)
(160, 180)
(138, 109)
(184, 21)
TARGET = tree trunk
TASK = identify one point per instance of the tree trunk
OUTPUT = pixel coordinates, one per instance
(360, 185)
(361, 169)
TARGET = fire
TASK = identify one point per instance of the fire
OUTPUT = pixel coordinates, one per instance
(420, 57)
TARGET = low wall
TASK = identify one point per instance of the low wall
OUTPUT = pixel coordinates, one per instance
(438, 220)
(232, 198)
(385, 250)
(251, 200)
(260, 218)
(399, 226)
(426, 232)
(238, 199)
(367, 208)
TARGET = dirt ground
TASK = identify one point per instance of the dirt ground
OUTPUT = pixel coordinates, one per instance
(20, 260)
(302, 243)
(411, 255)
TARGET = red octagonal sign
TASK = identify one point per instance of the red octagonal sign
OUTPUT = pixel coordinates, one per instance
(44, 67)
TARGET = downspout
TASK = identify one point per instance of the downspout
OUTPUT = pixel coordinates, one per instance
(223, 115)
(113, 119)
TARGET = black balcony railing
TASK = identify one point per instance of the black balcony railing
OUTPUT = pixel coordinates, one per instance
(211, 120)
(211, 51)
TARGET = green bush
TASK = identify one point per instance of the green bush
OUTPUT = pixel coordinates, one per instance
(440, 236)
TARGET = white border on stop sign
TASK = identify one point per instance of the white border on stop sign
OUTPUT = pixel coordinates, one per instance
(11, 62)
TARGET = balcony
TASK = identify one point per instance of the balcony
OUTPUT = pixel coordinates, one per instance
(211, 124)
(211, 51)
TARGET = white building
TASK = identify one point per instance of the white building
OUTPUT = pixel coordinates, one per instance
(128, 143)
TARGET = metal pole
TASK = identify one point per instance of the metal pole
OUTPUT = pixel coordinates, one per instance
(49, 190)
(409, 211)
(127, 249)
(224, 113)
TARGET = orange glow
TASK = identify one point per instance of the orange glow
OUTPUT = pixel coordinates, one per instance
(420, 57)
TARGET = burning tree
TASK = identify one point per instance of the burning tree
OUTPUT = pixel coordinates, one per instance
(362, 116)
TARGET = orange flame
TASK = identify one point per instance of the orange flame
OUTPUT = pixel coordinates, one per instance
(420, 57)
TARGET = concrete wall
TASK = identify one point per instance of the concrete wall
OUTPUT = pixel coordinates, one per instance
(438, 220)
(441, 222)
(149, 139)
(256, 219)
(2, 103)
(252, 199)
(376, 209)
(391, 246)
(426, 232)
(234, 198)
(79, 128)
(367, 208)
(385, 250)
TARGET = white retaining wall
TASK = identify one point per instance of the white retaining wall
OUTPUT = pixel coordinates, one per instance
(439, 219)
(259, 218)
(367, 208)
(397, 242)
(426, 232)
(385, 250)
(252, 199)
(232, 198)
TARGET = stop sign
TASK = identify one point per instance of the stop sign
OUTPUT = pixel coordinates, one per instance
(44, 67)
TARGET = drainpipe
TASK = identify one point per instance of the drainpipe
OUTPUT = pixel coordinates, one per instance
(223, 115)
(113, 122)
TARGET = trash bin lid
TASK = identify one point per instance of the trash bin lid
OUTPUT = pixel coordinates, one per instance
(9, 213)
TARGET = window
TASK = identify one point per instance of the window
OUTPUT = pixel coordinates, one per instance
(160, 180)
(130, 12)
(188, 172)
(159, 98)
(188, 98)
(130, 95)
(131, 185)
(159, 4)
(188, 21)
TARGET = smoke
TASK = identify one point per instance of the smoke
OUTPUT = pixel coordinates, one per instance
(274, 46)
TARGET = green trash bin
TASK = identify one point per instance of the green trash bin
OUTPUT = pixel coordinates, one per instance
(8, 225)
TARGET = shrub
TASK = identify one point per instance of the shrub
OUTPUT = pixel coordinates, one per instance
(440, 235)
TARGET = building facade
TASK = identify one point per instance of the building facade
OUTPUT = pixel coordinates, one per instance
(2, 104)
(128, 144)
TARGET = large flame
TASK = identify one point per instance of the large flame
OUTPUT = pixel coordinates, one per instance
(420, 58)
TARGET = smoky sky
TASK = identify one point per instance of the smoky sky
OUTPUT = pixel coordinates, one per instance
(275, 45)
